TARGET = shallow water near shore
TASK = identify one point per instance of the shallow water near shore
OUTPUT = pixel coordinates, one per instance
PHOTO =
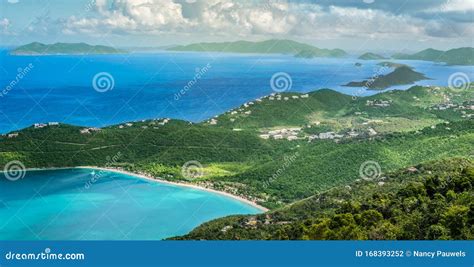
(88, 204)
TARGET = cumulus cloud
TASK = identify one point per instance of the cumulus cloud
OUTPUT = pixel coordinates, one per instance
(246, 18)
(150, 16)
(321, 20)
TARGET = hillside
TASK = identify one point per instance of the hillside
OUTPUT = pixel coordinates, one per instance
(64, 48)
(371, 56)
(431, 201)
(316, 52)
(333, 135)
(458, 56)
(274, 46)
(400, 76)
(327, 110)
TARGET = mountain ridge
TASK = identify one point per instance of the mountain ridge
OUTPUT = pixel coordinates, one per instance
(272, 46)
(37, 48)
(456, 56)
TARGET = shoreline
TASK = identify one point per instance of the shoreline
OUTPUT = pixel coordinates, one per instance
(152, 179)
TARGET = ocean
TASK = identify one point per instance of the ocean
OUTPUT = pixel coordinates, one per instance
(102, 90)
(88, 204)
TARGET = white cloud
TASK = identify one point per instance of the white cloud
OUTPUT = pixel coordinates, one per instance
(455, 6)
(254, 18)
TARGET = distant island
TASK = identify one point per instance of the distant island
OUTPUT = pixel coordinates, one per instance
(273, 46)
(389, 64)
(401, 75)
(36, 48)
(371, 56)
(317, 52)
(458, 56)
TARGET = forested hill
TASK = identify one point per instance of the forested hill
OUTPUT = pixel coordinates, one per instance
(275, 151)
(429, 201)
(273, 46)
(458, 56)
(36, 48)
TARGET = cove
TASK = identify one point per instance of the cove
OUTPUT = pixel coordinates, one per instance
(62, 205)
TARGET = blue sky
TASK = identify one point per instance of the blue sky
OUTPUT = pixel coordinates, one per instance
(348, 24)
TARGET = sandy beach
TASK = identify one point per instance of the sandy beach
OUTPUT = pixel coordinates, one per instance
(152, 179)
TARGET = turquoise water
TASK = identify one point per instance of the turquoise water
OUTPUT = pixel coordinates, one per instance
(59, 88)
(65, 205)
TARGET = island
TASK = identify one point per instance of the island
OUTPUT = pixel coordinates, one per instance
(317, 52)
(371, 56)
(457, 56)
(276, 152)
(401, 75)
(273, 46)
(36, 48)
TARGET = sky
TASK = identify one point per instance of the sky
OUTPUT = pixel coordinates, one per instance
(354, 25)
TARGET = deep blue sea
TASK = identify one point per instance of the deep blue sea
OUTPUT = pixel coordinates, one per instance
(57, 205)
(60, 88)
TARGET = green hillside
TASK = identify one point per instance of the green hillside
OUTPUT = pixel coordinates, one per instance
(371, 56)
(458, 56)
(273, 46)
(432, 201)
(317, 52)
(396, 128)
(64, 48)
(171, 144)
(325, 110)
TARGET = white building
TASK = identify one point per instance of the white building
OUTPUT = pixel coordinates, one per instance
(39, 125)
(12, 135)
(327, 135)
(278, 136)
(372, 132)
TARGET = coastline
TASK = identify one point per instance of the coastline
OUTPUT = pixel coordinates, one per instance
(152, 179)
